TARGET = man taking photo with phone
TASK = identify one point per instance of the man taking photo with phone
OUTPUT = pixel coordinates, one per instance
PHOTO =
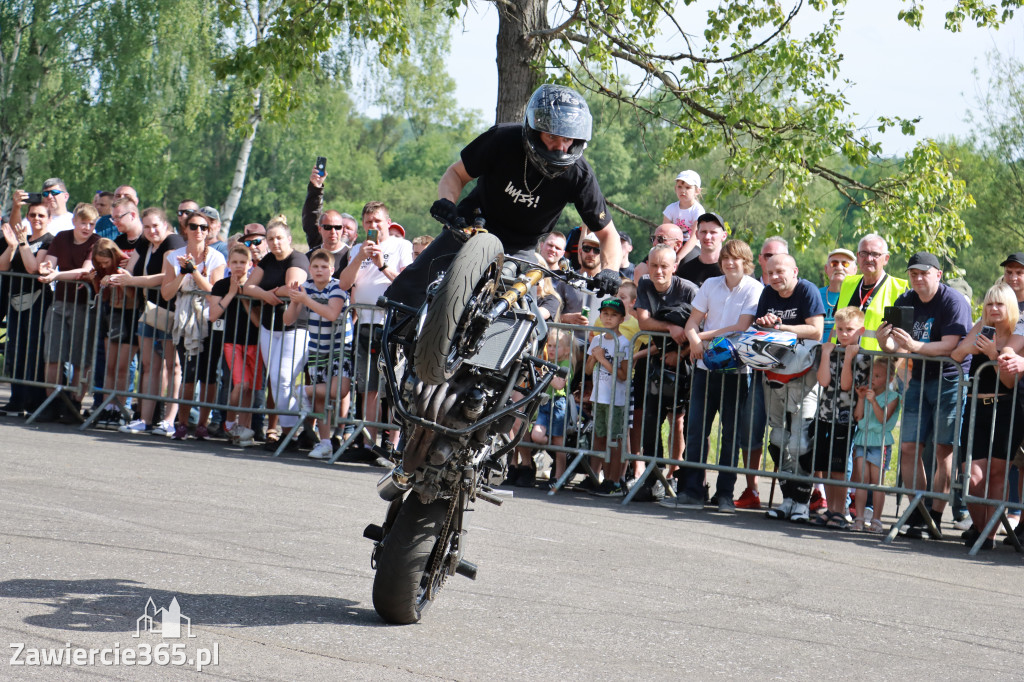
(372, 266)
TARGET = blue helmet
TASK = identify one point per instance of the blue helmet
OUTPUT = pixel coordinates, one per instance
(721, 355)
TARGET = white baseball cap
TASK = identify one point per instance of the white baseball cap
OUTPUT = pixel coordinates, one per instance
(690, 178)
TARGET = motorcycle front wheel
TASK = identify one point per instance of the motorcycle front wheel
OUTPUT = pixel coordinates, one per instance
(435, 357)
(404, 584)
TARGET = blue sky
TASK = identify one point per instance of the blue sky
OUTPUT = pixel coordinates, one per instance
(895, 69)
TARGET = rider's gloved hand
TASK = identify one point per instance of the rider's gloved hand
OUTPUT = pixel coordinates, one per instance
(607, 282)
(444, 211)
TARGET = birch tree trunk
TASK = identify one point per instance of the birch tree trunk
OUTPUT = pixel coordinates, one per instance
(227, 211)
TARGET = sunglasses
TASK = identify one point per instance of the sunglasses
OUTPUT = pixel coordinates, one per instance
(662, 239)
(332, 227)
(187, 211)
(837, 263)
(198, 226)
(51, 192)
(253, 242)
(590, 249)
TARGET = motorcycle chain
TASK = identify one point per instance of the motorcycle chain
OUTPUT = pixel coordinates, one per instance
(436, 580)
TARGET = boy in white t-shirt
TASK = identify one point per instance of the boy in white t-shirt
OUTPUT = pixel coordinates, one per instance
(608, 360)
(686, 210)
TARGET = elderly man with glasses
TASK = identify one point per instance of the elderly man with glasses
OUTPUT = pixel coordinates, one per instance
(873, 289)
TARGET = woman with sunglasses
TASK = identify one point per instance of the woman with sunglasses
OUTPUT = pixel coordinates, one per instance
(158, 369)
(283, 347)
(189, 274)
(27, 302)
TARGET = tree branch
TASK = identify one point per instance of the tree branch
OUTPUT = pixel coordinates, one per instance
(561, 27)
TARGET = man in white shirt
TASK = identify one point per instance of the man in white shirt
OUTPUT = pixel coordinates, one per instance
(372, 266)
(55, 199)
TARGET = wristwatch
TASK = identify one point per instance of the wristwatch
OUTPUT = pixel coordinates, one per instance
(383, 267)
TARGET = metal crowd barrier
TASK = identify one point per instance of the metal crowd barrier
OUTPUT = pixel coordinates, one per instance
(999, 452)
(655, 436)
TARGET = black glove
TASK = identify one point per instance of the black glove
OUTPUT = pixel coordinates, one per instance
(607, 282)
(444, 211)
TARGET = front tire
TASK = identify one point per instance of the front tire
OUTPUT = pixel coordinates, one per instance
(435, 360)
(400, 588)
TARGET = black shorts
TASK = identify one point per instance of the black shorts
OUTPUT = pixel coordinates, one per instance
(832, 443)
(201, 368)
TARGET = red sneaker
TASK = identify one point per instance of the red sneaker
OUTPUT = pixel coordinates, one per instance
(818, 501)
(750, 499)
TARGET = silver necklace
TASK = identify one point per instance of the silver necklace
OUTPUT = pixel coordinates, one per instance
(529, 191)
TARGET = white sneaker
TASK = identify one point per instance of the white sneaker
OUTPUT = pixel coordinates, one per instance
(801, 513)
(783, 510)
(164, 428)
(137, 426)
(242, 436)
(321, 451)
(965, 523)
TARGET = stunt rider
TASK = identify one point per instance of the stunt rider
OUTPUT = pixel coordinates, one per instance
(526, 174)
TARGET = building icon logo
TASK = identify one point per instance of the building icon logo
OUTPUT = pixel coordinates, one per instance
(163, 622)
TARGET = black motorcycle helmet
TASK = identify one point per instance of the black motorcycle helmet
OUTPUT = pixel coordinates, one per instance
(561, 111)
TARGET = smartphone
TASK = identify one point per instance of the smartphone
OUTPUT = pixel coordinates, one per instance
(321, 165)
(34, 198)
(373, 236)
(988, 332)
(901, 317)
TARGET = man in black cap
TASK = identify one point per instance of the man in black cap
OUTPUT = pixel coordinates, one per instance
(711, 234)
(1013, 276)
(934, 401)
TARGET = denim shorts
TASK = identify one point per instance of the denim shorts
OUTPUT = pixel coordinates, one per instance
(551, 416)
(874, 454)
(147, 332)
(924, 400)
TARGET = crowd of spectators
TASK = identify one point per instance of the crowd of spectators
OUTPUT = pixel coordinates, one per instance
(260, 332)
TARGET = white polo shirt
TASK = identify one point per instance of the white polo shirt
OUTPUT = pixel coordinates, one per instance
(722, 306)
(370, 283)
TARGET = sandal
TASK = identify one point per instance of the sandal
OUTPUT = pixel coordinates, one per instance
(836, 520)
(858, 525)
(875, 527)
(820, 520)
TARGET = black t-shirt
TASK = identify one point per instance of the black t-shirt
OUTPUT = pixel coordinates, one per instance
(34, 245)
(238, 328)
(151, 262)
(518, 203)
(274, 275)
(648, 298)
(802, 304)
(340, 259)
(130, 246)
(698, 271)
(946, 314)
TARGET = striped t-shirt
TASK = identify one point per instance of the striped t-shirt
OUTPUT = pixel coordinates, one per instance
(321, 331)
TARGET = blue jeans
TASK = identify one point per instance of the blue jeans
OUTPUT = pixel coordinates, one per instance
(714, 393)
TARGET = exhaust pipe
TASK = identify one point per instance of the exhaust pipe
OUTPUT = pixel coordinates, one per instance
(393, 484)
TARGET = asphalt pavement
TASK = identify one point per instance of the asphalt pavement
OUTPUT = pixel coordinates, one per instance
(266, 562)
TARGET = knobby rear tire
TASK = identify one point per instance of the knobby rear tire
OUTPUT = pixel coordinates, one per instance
(399, 588)
(434, 345)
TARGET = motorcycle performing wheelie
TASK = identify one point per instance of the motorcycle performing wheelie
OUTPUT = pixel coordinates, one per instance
(465, 379)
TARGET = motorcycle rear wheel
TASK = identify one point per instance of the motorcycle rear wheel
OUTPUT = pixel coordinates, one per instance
(402, 586)
(434, 358)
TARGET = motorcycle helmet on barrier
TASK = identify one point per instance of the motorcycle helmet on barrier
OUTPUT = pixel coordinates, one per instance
(557, 110)
(721, 355)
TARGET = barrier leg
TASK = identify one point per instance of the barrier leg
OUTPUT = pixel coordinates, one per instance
(997, 516)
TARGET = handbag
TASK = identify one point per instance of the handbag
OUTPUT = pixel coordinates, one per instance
(668, 387)
(157, 317)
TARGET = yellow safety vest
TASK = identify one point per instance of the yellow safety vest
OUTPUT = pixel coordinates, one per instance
(885, 294)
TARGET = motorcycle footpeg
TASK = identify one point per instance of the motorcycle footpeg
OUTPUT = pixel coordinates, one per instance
(373, 532)
(467, 569)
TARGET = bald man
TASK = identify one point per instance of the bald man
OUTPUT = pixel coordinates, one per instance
(666, 233)
(794, 305)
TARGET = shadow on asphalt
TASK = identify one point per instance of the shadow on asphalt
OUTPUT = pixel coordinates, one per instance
(114, 605)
